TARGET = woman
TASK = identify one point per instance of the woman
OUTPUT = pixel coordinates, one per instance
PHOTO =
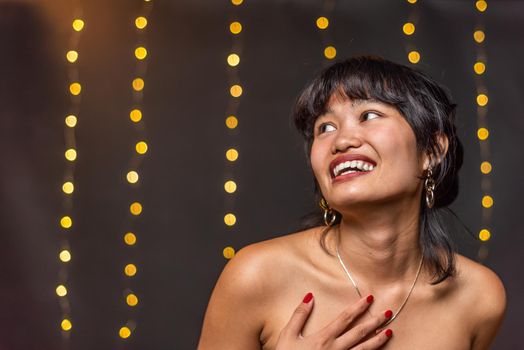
(377, 270)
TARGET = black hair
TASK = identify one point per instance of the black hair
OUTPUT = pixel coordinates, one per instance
(430, 112)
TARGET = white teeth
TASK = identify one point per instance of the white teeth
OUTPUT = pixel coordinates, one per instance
(351, 166)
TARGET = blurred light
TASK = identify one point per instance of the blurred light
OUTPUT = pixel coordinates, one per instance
(61, 291)
(330, 52)
(66, 222)
(75, 89)
(65, 255)
(68, 187)
(481, 5)
(408, 28)
(412, 1)
(230, 186)
(414, 57)
(138, 84)
(66, 324)
(72, 56)
(130, 270)
(237, 2)
(485, 167)
(70, 154)
(482, 133)
(130, 238)
(231, 122)
(78, 25)
(135, 115)
(135, 208)
(484, 235)
(322, 23)
(479, 68)
(131, 299)
(141, 22)
(482, 100)
(228, 252)
(71, 121)
(124, 332)
(236, 90)
(232, 154)
(132, 177)
(479, 36)
(230, 219)
(487, 201)
(140, 53)
(235, 27)
(141, 147)
(233, 60)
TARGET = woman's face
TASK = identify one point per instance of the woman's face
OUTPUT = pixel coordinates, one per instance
(365, 152)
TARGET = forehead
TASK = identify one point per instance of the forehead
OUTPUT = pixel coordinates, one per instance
(336, 100)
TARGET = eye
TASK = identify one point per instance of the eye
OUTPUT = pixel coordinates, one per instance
(322, 128)
(370, 115)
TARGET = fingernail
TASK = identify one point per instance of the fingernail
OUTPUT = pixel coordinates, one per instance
(308, 298)
(369, 299)
(388, 314)
(389, 333)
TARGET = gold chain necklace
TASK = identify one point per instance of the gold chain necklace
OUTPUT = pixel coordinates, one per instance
(360, 294)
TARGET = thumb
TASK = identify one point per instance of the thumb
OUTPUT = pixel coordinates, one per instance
(300, 316)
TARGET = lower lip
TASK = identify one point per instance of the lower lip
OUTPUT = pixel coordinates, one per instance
(345, 177)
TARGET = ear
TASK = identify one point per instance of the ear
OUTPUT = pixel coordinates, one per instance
(443, 144)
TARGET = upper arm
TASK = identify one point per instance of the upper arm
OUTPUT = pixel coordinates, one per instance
(234, 316)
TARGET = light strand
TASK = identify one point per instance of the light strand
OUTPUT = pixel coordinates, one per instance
(324, 23)
(409, 29)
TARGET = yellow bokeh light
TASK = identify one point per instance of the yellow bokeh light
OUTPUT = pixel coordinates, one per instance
(66, 222)
(408, 28)
(138, 84)
(140, 53)
(70, 154)
(61, 290)
(412, 1)
(68, 187)
(485, 167)
(237, 2)
(414, 57)
(132, 177)
(322, 23)
(131, 299)
(135, 115)
(482, 100)
(479, 36)
(487, 201)
(135, 208)
(479, 68)
(124, 332)
(484, 235)
(66, 324)
(482, 133)
(130, 238)
(65, 255)
(233, 60)
(481, 5)
(141, 22)
(235, 27)
(231, 122)
(130, 270)
(235, 90)
(230, 186)
(232, 154)
(141, 147)
(72, 56)
(75, 89)
(228, 252)
(330, 52)
(71, 121)
(230, 219)
(78, 25)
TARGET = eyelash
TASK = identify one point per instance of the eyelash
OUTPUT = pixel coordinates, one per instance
(323, 125)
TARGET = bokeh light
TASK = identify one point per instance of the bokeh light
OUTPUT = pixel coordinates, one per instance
(228, 252)
(414, 57)
(135, 208)
(482, 134)
(235, 27)
(72, 56)
(68, 187)
(135, 115)
(132, 177)
(141, 22)
(130, 238)
(230, 186)
(485, 167)
(330, 52)
(230, 219)
(484, 235)
(71, 121)
(130, 270)
(233, 60)
(408, 28)
(78, 24)
(231, 154)
(66, 222)
(322, 23)
(482, 100)
(487, 201)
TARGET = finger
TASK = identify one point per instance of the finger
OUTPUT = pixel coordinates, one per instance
(376, 342)
(347, 316)
(356, 334)
(300, 316)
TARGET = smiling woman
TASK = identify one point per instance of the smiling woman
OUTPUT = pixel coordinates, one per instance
(375, 267)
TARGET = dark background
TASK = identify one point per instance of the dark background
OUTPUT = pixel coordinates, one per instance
(181, 232)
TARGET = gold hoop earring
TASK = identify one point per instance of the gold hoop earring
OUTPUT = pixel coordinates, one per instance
(329, 214)
(429, 186)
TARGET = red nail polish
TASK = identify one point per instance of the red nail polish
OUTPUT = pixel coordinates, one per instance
(369, 299)
(308, 298)
(389, 333)
(388, 314)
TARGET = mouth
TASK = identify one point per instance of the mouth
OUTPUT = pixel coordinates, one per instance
(351, 165)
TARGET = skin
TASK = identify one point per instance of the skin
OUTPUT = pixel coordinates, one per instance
(257, 302)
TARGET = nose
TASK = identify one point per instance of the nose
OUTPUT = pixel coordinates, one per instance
(347, 137)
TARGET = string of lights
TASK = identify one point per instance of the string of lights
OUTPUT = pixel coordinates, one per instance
(323, 25)
(232, 120)
(68, 186)
(479, 69)
(408, 28)
(136, 116)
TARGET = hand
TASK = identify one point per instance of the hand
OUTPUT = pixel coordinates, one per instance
(336, 335)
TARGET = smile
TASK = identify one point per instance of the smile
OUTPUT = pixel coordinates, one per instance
(352, 167)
